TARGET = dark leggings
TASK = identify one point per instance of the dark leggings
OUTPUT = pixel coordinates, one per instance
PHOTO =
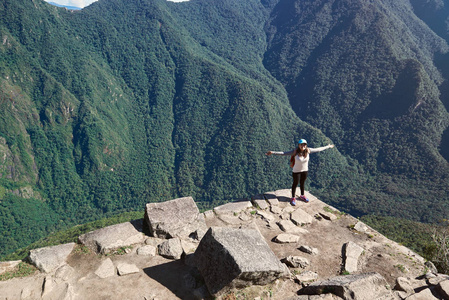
(298, 178)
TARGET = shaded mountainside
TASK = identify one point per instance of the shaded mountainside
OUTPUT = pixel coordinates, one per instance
(124, 103)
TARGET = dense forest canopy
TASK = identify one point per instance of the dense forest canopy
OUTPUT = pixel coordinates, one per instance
(128, 102)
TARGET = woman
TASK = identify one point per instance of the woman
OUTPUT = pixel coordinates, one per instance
(299, 161)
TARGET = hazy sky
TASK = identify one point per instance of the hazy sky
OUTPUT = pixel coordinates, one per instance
(84, 3)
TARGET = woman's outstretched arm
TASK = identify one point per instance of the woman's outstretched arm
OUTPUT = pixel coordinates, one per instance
(280, 153)
(313, 150)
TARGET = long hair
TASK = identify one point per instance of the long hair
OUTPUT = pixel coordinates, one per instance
(300, 153)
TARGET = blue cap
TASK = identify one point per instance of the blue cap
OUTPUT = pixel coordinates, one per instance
(302, 141)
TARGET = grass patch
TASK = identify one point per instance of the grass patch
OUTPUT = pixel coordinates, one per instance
(22, 270)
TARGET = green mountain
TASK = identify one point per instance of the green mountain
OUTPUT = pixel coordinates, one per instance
(129, 102)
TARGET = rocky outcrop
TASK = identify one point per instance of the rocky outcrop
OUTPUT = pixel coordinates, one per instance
(241, 254)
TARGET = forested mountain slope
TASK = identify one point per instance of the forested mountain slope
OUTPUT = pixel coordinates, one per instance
(127, 102)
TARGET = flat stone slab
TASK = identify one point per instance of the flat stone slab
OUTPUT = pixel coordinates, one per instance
(233, 207)
(366, 286)
(107, 239)
(149, 250)
(283, 195)
(175, 218)
(351, 254)
(300, 217)
(307, 276)
(288, 227)
(106, 269)
(50, 258)
(259, 201)
(231, 257)
(266, 215)
(125, 269)
(286, 238)
(308, 250)
(271, 198)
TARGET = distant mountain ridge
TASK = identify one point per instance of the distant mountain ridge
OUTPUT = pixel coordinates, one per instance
(66, 6)
(124, 103)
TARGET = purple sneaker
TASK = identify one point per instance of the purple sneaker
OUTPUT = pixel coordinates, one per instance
(303, 198)
(293, 201)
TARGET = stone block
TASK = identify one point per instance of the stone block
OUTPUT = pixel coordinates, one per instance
(109, 238)
(50, 258)
(171, 248)
(231, 257)
(175, 218)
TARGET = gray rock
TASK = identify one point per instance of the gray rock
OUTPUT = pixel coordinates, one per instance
(271, 198)
(149, 250)
(286, 238)
(26, 293)
(64, 273)
(209, 214)
(154, 241)
(328, 216)
(275, 209)
(403, 284)
(109, 238)
(175, 218)
(48, 286)
(309, 250)
(50, 258)
(425, 294)
(434, 279)
(296, 261)
(265, 215)
(431, 267)
(300, 217)
(367, 286)
(126, 269)
(260, 202)
(289, 227)
(351, 254)
(230, 257)
(361, 227)
(171, 248)
(233, 207)
(106, 269)
(307, 276)
(188, 247)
